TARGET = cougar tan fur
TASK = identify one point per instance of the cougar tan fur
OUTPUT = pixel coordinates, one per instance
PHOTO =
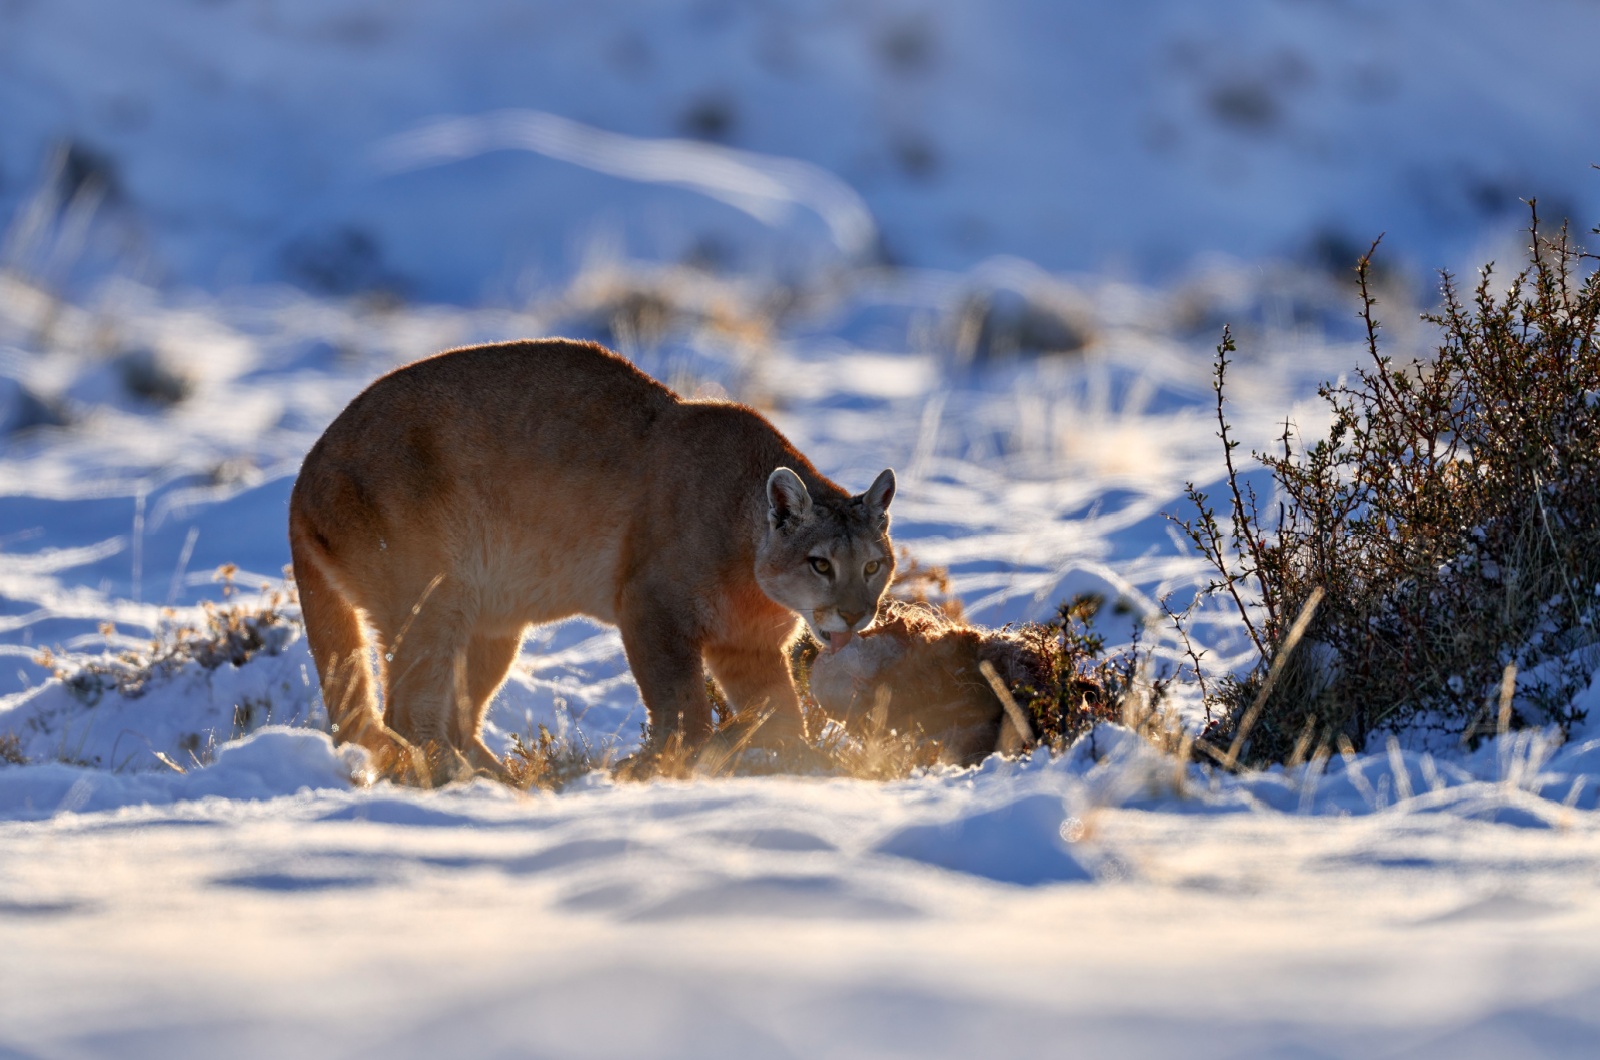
(466, 496)
(921, 670)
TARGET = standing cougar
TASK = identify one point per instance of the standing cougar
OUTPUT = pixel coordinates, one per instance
(459, 499)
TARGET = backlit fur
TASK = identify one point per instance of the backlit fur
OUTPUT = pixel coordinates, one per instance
(466, 496)
(921, 669)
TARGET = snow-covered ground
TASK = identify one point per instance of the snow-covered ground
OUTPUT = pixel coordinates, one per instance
(1105, 903)
(944, 916)
(187, 865)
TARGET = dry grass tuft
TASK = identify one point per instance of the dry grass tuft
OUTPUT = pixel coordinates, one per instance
(11, 750)
(876, 752)
(549, 762)
(227, 633)
(918, 583)
(1075, 683)
(635, 309)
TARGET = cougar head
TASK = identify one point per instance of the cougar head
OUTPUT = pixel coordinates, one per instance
(830, 561)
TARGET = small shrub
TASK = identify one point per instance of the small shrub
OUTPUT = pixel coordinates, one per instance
(154, 379)
(550, 762)
(1451, 517)
(11, 750)
(999, 325)
(1075, 684)
(712, 117)
(230, 633)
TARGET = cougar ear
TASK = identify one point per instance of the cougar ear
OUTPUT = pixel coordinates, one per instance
(787, 498)
(880, 493)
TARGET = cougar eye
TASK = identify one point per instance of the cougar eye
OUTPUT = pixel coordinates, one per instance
(820, 565)
(872, 568)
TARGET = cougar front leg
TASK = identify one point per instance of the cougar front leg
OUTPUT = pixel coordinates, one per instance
(666, 664)
(756, 679)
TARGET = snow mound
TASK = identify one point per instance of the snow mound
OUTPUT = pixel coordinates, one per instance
(271, 762)
(1022, 841)
(181, 712)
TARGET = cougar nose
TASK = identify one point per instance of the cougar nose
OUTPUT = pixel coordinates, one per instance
(851, 617)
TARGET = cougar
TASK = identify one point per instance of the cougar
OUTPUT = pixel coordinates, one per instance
(467, 496)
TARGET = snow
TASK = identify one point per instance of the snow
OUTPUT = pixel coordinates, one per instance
(188, 866)
(787, 916)
(269, 763)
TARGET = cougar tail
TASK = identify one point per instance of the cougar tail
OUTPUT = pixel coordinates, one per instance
(339, 649)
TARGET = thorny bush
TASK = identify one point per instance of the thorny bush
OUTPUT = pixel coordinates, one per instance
(1451, 515)
(1074, 683)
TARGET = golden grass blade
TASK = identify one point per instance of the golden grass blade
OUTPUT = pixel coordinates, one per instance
(1251, 716)
(1508, 688)
(416, 609)
(1002, 693)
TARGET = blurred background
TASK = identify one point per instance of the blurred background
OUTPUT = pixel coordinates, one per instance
(403, 146)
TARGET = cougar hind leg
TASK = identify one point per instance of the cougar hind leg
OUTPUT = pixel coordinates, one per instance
(339, 650)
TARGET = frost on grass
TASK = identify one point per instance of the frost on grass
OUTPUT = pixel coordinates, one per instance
(237, 666)
(224, 634)
(11, 750)
(1439, 548)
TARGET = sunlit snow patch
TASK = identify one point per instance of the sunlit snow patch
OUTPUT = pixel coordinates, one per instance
(272, 762)
(1019, 842)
